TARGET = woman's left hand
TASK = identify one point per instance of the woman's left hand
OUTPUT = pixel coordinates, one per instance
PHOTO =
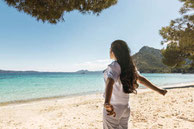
(163, 91)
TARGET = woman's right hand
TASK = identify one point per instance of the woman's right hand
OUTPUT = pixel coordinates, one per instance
(109, 108)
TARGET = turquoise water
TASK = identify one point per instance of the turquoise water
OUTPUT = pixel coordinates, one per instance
(14, 86)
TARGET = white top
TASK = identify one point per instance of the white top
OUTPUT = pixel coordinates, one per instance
(118, 96)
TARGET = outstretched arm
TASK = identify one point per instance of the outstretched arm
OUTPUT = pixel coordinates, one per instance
(147, 83)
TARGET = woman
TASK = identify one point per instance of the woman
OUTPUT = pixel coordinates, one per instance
(121, 78)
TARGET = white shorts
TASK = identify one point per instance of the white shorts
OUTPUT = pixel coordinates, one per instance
(121, 119)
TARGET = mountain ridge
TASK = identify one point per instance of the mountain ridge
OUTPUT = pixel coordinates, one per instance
(147, 60)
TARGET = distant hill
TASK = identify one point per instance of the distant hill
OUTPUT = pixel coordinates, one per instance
(149, 60)
(82, 71)
(86, 71)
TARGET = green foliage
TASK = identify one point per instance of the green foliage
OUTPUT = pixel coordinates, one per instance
(179, 37)
(172, 54)
(53, 10)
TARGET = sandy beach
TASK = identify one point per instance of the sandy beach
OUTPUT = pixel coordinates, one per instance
(149, 110)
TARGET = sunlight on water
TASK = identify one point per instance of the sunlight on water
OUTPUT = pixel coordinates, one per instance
(39, 85)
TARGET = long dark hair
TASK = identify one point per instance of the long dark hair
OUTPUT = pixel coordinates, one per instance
(128, 74)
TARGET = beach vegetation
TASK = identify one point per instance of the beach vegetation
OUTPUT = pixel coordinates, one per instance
(52, 11)
(178, 37)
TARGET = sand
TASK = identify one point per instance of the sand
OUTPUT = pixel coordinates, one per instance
(149, 110)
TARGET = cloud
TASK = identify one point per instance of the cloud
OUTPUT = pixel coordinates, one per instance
(95, 65)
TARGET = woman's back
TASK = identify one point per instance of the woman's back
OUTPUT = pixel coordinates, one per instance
(118, 96)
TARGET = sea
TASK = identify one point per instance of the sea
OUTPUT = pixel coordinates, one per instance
(31, 86)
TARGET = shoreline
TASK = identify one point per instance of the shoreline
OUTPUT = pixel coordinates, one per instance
(149, 110)
(16, 102)
(140, 90)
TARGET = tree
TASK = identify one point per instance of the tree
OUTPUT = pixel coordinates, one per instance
(179, 37)
(53, 10)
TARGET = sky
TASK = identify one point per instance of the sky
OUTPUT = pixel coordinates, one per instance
(82, 41)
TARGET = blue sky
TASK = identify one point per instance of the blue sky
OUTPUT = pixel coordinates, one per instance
(82, 41)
